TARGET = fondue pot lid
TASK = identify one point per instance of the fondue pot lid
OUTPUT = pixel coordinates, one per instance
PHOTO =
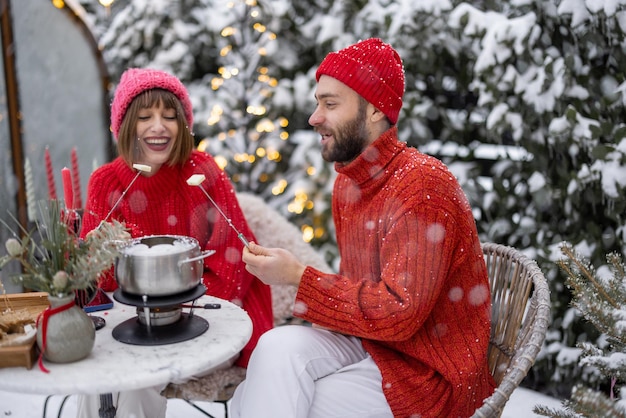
(159, 245)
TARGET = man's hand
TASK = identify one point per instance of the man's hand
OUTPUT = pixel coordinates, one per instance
(273, 265)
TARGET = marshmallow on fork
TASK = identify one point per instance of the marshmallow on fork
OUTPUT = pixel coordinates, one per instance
(197, 180)
(141, 168)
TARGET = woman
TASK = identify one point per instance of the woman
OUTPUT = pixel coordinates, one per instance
(151, 119)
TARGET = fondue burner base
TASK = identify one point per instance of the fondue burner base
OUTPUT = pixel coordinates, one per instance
(134, 332)
(158, 301)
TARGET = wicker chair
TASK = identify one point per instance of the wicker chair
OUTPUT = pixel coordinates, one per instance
(273, 230)
(520, 316)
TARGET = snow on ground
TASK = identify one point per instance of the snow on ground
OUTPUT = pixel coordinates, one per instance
(16, 405)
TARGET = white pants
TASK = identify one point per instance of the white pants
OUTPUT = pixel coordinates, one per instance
(303, 372)
(142, 403)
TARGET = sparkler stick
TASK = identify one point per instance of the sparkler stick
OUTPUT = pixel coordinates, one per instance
(196, 180)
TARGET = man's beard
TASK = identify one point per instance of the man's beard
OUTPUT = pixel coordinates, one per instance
(350, 139)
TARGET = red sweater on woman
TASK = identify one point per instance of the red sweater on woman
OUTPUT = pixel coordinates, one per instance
(412, 282)
(164, 204)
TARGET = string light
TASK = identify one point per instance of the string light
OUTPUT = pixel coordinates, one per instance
(226, 73)
(280, 187)
(256, 110)
(216, 113)
(228, 31)
(202, 145)
(265, 125)
(307, 233)
(274, 156)
(240, 157)
(225, 51)
(221, 161)
(216, 83)
(294, 207)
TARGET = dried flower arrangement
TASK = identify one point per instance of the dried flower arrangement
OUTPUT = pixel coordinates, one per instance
(56, 261)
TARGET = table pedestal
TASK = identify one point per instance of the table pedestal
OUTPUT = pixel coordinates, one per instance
(107, 410)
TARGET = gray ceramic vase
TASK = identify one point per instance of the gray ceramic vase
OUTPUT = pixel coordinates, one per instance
(70, 333)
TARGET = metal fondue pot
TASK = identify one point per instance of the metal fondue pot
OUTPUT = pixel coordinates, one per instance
(160, 265)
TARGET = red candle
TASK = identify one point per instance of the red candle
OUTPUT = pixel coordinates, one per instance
(68, 188)
(52, 191)
(76, 180)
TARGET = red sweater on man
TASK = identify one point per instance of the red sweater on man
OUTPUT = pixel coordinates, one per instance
(164, 204)
(412, 282)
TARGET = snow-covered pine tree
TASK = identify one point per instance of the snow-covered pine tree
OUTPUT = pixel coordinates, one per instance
(241, 125)
(601, 298)
(244, 127)
(166, 35)
(549, 81)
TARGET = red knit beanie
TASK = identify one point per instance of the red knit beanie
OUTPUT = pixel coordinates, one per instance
(373, 69)
(135, 81)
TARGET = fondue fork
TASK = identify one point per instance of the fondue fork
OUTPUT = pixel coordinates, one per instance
(205, 306)
(196, 180)
(140, 168)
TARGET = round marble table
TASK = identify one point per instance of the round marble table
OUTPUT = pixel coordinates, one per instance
(113, 366)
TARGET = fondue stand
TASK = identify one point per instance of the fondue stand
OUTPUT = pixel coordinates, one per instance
(115, 366)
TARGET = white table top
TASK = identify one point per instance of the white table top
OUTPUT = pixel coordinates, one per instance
(113, 366)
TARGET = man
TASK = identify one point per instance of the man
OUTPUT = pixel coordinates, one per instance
(402, 330)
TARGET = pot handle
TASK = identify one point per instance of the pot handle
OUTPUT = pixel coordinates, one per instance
(204, 254)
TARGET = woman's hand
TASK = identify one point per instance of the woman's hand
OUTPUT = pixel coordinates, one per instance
(273, 265)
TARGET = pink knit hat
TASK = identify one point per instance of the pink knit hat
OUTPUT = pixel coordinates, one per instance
(137, 80)
(373, 69)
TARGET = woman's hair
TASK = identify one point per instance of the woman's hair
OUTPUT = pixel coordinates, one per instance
(127, 146)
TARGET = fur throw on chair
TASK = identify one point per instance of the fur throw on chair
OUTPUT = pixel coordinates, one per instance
(274, 230)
